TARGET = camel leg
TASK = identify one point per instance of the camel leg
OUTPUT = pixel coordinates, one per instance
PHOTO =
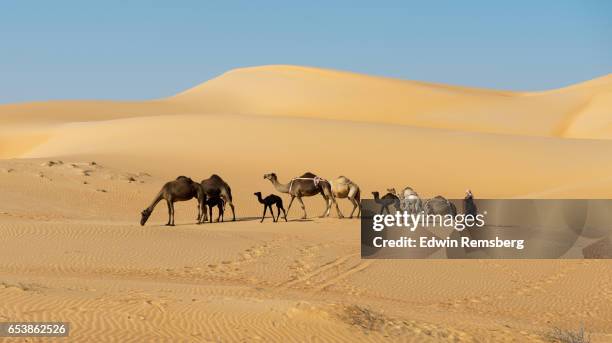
(279, 207)
(202, 209)
(233, 213)
(354, 202)
(284, 213)
(210, 214)
(171, 209)
(357, 199)
(272, 211)
(290, 202)
(199, 212)
(333, 200)
(302, 205)
(385, 207)
(204, 212)
(169, 212)
(226, 199)
(264, 214)
(327, 205)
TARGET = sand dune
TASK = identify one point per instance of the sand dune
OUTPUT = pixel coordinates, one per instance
(578, 111)
(74, 176)
(433, 161)
(268, 117)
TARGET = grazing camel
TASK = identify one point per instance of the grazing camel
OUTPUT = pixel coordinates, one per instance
(440, 205)
(214, 186)
(181, 189)
(219, 203)
(387, 200)
(469, 206)
(411, 201)
(343, 188)
(304, 186)
(268, 202)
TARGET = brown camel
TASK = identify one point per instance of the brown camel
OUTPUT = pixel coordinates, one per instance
(304, 186)
(181, 189)
(386, 201)
(214, 186)
(343, 188)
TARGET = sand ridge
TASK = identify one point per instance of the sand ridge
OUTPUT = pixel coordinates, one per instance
(571, 112)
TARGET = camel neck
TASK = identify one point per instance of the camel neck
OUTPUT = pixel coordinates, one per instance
(157, 199)
(283, 188)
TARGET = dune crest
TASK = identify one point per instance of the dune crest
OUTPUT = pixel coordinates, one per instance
(577, 111)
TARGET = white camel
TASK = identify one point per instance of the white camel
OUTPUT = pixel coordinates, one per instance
(410, 201)
(343, 188)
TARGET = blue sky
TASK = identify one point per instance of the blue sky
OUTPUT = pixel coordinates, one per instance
(146, 49)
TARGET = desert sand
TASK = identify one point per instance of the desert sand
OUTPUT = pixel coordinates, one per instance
(74, 176)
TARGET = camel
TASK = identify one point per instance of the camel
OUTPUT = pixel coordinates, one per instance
(219, 203)
(411, 201)
(268, 202)
(304, 186)
(386, 200)
(343, 188)
(181, 189)
(439, 205)
(214, 186)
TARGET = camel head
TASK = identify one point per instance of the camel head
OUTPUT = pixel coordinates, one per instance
(257, 194)
(146, 213)
(376, 195)
(270, 176)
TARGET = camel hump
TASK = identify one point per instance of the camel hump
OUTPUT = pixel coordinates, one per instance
(309, 175)
(343, 180)
(184, 178)
(215, 177)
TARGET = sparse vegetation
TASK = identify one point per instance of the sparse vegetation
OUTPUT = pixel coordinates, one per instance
(364, 318)
(569, 336)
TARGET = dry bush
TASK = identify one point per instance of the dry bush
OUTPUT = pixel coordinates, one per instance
(569, 336)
